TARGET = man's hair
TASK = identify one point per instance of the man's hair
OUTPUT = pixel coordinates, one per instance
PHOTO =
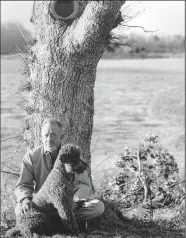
(52, 121)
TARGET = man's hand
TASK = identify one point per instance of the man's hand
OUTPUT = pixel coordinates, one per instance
(26, 205)
(78, 203)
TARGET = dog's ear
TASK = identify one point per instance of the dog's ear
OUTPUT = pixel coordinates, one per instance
(80, 167)
(61, 158)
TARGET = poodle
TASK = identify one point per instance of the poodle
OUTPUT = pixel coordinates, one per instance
(56, 193)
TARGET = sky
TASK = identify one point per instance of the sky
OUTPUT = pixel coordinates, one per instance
(168, 17)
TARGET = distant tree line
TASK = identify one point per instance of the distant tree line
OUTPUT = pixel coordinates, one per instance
(135, 45)
(143, 45)
(12, 37)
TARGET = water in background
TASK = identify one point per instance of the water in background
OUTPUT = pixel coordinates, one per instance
(124, 92)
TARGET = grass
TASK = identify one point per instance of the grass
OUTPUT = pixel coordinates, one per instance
(129, 102)
(116, 222)
(110, 225)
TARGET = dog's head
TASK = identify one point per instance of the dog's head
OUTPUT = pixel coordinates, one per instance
(70, 157)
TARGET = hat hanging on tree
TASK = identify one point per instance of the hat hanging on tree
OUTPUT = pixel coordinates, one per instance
(64, 9)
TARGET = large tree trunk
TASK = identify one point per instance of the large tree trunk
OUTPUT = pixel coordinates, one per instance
(62, 70)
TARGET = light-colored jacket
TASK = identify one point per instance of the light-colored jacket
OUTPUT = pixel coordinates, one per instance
(35, 168)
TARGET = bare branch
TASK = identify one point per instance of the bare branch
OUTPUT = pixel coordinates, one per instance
(22, 107)
(139, 163)
(103, 171)
(132, 170)
(123, 197)
(130, 6)
(24, 37)
(101, 184)
(102, 162)
(11, 158)
(94, 148)
(182, 181)
(9, 138)
(20, 52)
(127, 18)
(107, 183)
(118, 40)
(106, 173)
(25, 85)
(17, 150)
(25, 100)
(141, 27)
(8, 167)
(123, 44)
(127, 183)
(10, 173)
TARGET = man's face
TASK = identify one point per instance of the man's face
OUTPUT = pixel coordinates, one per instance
(51, 137)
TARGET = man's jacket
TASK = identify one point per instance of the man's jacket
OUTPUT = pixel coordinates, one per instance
(35, 167)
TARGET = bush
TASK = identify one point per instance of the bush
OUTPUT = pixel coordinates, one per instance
(148, 174)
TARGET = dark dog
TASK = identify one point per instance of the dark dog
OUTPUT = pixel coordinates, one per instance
(56, 193)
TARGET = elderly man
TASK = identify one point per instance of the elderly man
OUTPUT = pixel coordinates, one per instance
(36, 166)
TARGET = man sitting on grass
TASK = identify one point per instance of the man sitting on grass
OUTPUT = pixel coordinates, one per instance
(36, 166)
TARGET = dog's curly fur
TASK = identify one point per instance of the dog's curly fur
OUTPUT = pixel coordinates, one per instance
(56, 193)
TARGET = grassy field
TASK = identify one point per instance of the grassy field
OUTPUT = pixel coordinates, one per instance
(132, 98)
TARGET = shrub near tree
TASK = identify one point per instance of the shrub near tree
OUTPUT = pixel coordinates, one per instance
(148, 174)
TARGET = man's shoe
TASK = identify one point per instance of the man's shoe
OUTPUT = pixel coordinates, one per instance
(83, 226)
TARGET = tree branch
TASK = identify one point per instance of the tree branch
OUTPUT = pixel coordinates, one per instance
(102, 162)
(9, 138)
(128, 18)
(9, 167)
(141, 27)
(114, 40)
(24, 37)
(132, 170)
(96, 22)
(139, 163)
(10, 173)
(102, 171)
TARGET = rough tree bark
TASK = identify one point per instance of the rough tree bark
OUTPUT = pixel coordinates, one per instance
(61, 69)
